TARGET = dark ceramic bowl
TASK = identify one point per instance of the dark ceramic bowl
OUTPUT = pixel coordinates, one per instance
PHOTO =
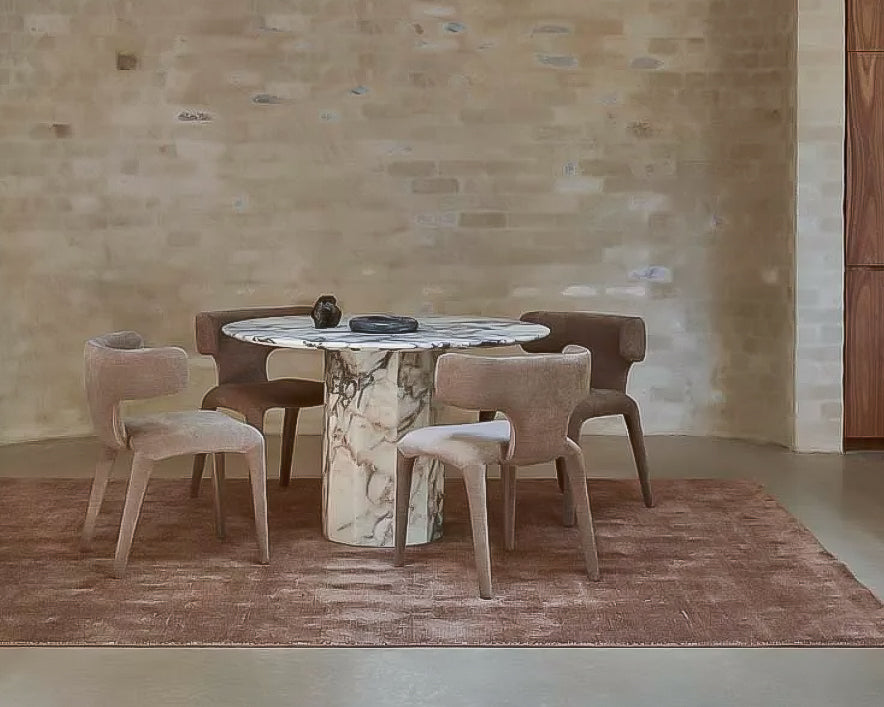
(383, 324)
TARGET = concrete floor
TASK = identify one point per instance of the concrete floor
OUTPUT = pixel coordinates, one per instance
(839, 498)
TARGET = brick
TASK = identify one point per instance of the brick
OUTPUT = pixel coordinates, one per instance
(411, 169)
(482, 219)
(434, 186)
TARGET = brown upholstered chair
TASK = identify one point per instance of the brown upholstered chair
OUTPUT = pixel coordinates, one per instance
(243, 385)
(616, 342)
(118, 368)
(537, 395)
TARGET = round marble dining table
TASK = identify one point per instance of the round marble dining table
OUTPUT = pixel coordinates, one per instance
(377, 388)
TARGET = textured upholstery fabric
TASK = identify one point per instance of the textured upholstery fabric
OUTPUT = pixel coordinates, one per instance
(238, 361)
(242, 381)
(174, 433)
(278, 393)
(536, 393)
(459, 445)
(616, 341)
(119, 368)
(603, 402)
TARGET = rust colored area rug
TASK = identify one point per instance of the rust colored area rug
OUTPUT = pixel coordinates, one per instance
(716, 563)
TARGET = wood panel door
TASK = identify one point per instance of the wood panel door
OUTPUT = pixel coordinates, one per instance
(865, 25)
(864, 190)
(864, 347)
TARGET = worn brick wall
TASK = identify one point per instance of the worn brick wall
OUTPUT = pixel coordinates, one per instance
(637, 156)
(819, 239)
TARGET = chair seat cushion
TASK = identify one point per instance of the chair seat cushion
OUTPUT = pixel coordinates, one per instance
(602, 402)
(279, 393)
(459, 445)
(170, 434)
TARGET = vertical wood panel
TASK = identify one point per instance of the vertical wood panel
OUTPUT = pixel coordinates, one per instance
(864, 193)
(864, 364)
(865, 25)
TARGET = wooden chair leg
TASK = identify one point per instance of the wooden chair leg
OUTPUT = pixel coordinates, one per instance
(576, 473)
(404, 469)
(258, 479)
(289, 427)
(218, 487)
(508, 477)
(99, 484)
(138, 478)
(474, 480)
(637, 441)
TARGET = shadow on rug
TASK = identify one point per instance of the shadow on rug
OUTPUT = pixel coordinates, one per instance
(716, 563)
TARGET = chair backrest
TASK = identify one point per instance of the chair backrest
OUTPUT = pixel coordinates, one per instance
(119, 367)
(537, 393)
(615, 341)
(238, 361)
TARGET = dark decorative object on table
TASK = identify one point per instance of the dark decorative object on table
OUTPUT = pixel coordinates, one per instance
(383, 324)
(326, 313)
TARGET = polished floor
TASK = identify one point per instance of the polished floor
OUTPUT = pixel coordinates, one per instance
(839, 498)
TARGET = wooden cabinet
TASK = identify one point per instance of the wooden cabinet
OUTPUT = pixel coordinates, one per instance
(864, 349)
(864, 227)
(864, 188)
(865, 25)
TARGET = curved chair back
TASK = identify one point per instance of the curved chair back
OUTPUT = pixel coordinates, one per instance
(118, 368)
(537, 393)
(238, 361)
(615, 341)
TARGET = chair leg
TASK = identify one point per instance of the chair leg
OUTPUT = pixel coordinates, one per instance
(508, 477)
(258, 478)
(289, 426)
(199, 464)
(196, 476)
(99, 485)
(474, 480)
(568, 517)
(404, 469)
(486, 415)
(218, 484)
(637, 441)
(576, 473)
(138, 478)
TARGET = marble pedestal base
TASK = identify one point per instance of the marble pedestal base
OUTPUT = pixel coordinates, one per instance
(372, 398)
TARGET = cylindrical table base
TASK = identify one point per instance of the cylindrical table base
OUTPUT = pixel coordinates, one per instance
(372, 398)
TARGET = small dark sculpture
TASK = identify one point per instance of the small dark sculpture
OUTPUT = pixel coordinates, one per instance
(383, 324)
(326, 313)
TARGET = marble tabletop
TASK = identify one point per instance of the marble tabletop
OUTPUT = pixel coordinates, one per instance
(434, 332)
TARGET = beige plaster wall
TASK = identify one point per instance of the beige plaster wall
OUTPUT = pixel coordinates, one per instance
(819, 239)
(466, 157)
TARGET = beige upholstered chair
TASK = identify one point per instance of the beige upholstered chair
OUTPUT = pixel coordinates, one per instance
(537, 395)
(118, 368)
(616, 342)
(243, 385)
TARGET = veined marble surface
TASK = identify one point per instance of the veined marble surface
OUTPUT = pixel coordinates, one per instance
(437, 332)
(372, 398)
(377, 388)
